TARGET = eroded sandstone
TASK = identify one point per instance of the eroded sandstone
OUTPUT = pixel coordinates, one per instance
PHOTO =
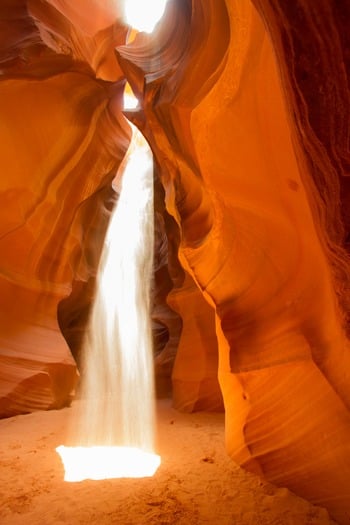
(245, 106)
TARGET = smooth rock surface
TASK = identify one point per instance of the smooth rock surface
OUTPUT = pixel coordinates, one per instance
(246, 108)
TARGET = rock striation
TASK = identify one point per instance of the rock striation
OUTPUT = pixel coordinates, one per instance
(245, 105)
(62, 140)
(252, 180)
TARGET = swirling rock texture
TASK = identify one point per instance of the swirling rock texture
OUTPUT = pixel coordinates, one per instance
(246, 107)
(62, 140)
(237, 106)
(190, 322)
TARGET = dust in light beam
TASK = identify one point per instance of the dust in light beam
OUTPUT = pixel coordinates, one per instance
(113, 435)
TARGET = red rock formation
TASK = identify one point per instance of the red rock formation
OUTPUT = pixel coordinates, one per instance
(258, 238)
(190, 356)
(167, 324)
(62, 140)
(246, 110)
(314, 65)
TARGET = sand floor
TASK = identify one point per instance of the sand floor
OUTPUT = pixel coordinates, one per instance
(196, 483)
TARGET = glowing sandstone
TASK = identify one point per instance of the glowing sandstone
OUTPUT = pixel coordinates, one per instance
(239, 188)
(61, 144)
(251, 146)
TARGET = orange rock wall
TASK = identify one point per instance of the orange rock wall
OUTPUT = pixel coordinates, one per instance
(258, 238)
(314, 69)
(245, 106)
(61, 142)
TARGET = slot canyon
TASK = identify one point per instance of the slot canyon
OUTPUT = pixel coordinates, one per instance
(245, 105)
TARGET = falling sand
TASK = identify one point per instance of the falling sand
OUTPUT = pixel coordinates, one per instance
(113, 435)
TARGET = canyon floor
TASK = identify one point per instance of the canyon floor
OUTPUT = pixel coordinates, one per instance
(196, 483)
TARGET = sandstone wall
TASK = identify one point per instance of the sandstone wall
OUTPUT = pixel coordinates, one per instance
(244, 164)
(62, 139)
(246, 108)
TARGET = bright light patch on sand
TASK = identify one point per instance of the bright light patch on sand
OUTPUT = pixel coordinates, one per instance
(143, 15)
(113, 435)
(98, 463)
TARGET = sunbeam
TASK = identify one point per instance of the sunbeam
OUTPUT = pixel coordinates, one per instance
(115, 434)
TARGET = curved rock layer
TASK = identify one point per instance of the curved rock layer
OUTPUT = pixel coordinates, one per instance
(316, 37)
(243, 165)
(62, 140)
(245, 105)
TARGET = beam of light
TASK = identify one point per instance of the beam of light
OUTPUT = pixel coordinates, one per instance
(118, 406)
(143, 15)
(98, 463)
(129, 101)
